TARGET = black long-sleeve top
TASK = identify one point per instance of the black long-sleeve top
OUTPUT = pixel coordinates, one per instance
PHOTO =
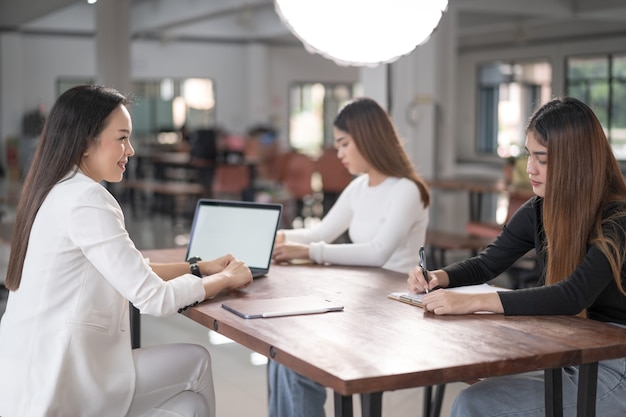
(590, 286)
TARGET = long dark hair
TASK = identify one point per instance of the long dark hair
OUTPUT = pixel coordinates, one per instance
(75, 121)
(583, 178)
(377, 141)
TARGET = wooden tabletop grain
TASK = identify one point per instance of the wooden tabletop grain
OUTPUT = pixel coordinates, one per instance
(377, 344)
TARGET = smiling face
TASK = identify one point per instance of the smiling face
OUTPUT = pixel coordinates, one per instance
(107, 157)
(348, 153)
(537, 167)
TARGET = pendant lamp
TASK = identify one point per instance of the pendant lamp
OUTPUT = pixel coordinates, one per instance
(361, 32)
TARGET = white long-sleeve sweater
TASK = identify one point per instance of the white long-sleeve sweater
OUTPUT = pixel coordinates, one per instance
(386, 224)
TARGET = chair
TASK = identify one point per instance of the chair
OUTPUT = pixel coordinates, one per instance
(335, 177)
(295, 173)
(231, 181)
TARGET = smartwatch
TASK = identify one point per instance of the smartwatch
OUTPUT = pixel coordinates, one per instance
(194, 267)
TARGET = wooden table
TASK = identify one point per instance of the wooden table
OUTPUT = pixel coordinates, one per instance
(377, 344)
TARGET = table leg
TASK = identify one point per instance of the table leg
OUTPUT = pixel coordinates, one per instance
(438, 400)
(432, 404)
(587, 387)
(427, 404)
(372, 404)
(343, 405)
(554, 392)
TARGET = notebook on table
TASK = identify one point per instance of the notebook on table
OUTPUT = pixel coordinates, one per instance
(416, 299)
(280, 307)
(245, 229)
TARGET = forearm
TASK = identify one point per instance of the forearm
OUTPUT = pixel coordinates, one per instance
(169, 271)
(214, 284)
(488, 302)
(443, 302)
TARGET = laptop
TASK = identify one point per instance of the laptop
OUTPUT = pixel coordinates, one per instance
(245, 229)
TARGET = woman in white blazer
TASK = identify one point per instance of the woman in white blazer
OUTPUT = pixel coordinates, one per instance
(64, 338)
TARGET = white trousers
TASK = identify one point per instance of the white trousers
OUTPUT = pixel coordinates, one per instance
(173, 380)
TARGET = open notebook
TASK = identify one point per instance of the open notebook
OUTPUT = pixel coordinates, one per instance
(416, 299)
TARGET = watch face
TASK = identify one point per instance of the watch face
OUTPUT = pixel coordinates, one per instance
(195, 269)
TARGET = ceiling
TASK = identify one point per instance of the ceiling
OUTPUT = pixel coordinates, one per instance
(481, 23)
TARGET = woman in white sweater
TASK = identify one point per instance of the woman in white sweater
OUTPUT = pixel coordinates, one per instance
(384, 210)
(64, 337)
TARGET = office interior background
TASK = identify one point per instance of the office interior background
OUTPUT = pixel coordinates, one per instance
(460, 100)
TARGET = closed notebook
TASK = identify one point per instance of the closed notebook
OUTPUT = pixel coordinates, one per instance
(283, 306)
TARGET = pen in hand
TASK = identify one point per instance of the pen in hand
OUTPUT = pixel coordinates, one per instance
(424, 267)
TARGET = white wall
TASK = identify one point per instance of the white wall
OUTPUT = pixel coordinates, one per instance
(32, 64)
(10, 85)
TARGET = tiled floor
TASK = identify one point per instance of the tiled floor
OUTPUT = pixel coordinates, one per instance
(241, 387)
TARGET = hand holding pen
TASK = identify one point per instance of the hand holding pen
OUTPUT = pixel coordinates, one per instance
(424, 268)
(419, 280)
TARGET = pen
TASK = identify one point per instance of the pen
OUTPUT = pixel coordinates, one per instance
(424, 267)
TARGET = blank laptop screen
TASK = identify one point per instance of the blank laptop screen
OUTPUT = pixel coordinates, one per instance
(247, 230)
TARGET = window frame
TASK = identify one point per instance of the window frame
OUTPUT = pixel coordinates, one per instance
(609, 80)
(490, 147)
(330, 108)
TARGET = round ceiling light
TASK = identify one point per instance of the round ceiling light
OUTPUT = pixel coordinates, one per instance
(361, 32)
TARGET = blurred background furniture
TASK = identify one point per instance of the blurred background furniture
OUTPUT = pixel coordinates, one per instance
(295, 173)
(203, 153)
(335, 177)
(480, 230)
(232, 181)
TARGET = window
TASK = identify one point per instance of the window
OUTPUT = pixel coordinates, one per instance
(600, 82)
(161, 107)
(508, 93)
(312, 110)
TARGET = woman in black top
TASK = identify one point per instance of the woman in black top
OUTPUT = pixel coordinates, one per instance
(577, 225)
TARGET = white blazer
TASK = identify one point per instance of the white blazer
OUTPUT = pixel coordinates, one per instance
(64, 338)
